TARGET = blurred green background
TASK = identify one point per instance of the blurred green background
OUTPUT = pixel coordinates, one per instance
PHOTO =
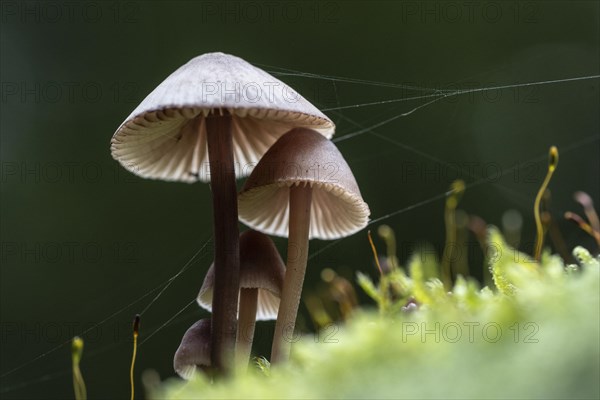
(82, 239)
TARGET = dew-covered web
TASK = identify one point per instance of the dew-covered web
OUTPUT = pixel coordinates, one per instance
(421, 99)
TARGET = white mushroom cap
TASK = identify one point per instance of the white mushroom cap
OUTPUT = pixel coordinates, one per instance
(261, 267)
(194, 350)
(165, 136)
(303, 157)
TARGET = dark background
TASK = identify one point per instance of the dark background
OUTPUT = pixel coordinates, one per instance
(83, 239)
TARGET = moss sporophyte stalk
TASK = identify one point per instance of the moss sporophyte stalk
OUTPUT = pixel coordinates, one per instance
(79, 388)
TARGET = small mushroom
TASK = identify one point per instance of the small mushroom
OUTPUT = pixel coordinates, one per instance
(261, 281)
(216, 108)
(301, 188)
(194, 350)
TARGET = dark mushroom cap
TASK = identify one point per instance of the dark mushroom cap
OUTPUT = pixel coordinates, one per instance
(165, 136)
(303, 157)
(261, 267)
(194, 350)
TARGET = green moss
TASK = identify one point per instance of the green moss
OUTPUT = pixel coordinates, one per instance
(536, 336)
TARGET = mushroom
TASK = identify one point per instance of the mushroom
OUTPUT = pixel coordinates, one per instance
(216, 108)
(261, 281)
(302, 188)
(194, 350)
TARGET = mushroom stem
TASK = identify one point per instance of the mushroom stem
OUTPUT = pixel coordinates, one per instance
(299, 217)
(226, 240)
(246, 324)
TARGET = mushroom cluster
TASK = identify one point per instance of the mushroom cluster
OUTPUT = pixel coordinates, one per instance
(222, 112)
